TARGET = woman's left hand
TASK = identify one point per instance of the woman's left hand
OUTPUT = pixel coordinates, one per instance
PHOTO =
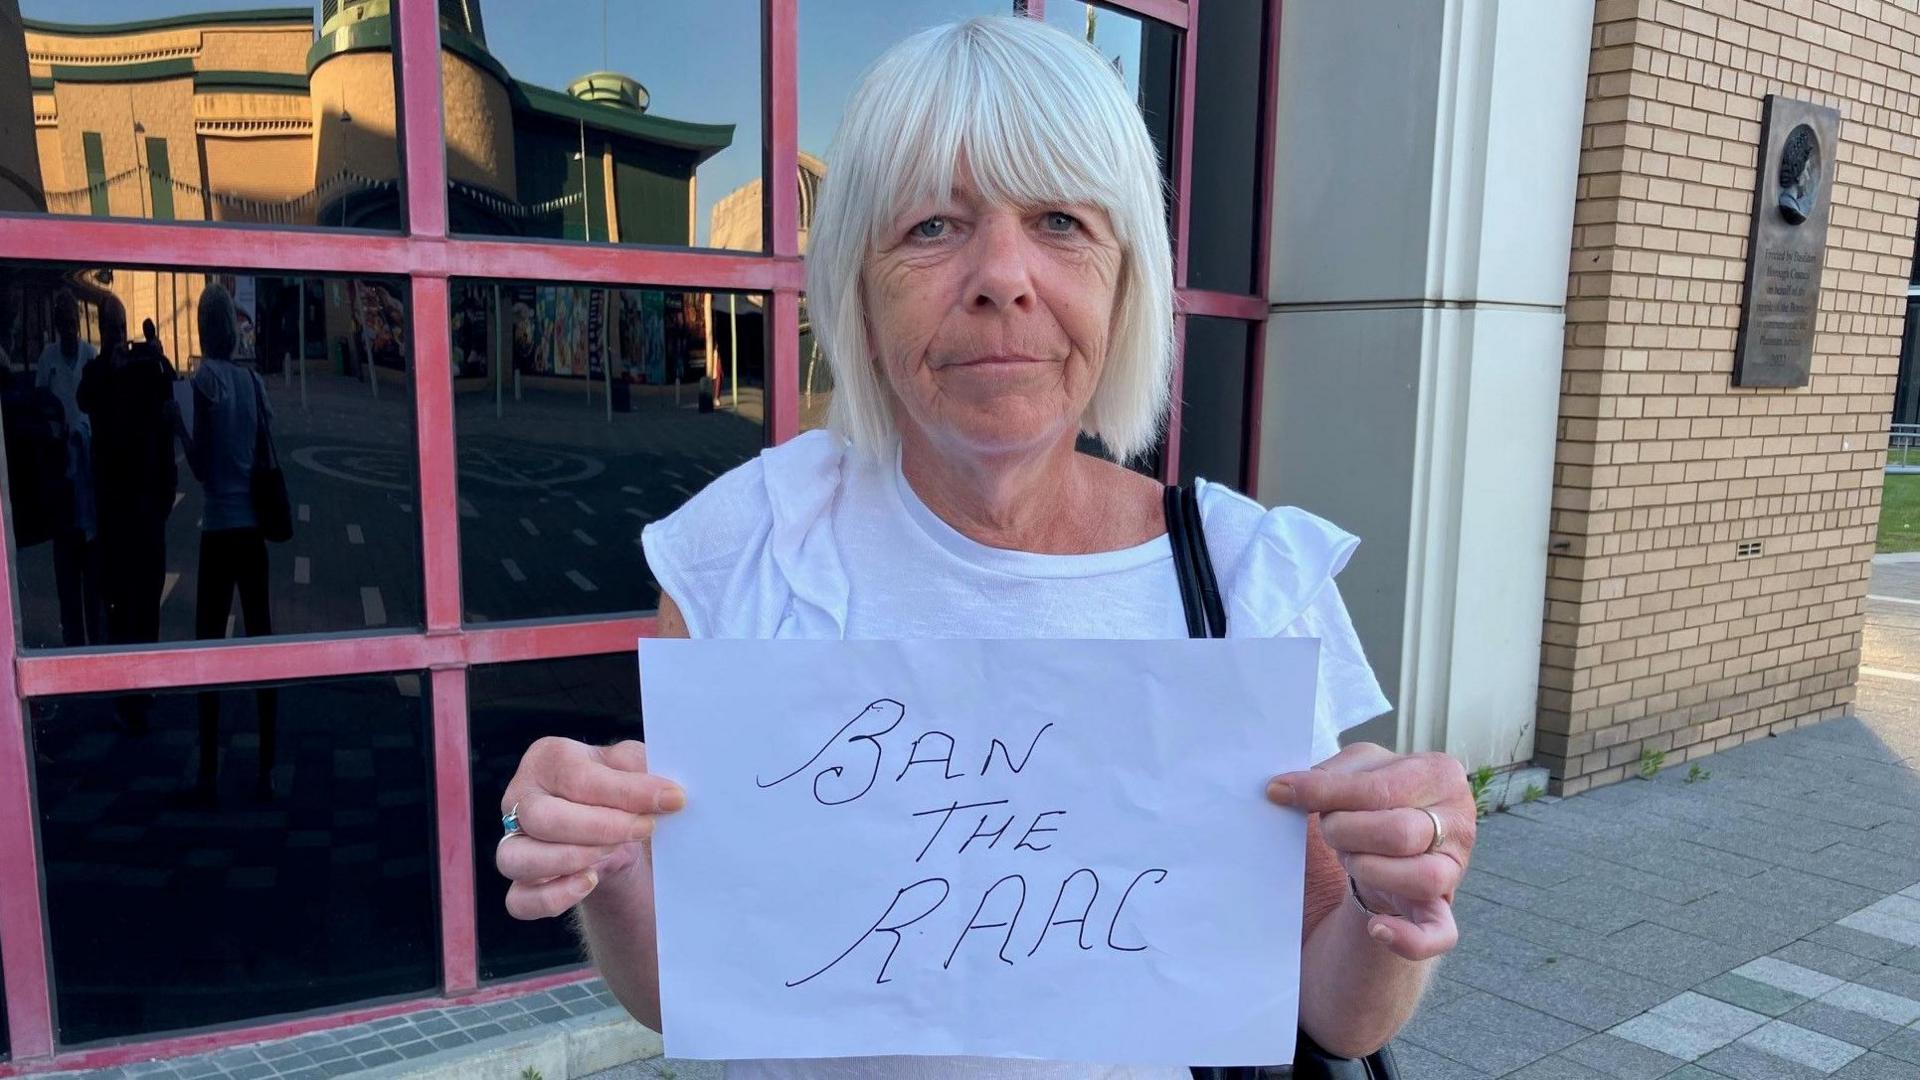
(1378, 811)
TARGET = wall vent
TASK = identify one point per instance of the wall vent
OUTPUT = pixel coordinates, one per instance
(1748, 549)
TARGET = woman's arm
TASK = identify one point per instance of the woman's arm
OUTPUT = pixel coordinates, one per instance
(1354, 992)
(615, 921)
(1373, 819)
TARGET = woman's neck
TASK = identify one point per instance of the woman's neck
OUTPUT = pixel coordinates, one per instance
(1051, 500)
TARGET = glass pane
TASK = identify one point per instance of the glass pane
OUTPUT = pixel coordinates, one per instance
(1223, 225)
(210, 110)
(123, 536)
(235, 853)
(1144, 52)
(816, 377)
(837, 41)
(1213, 399)
(652, 138)
(595, 699)
(582, 414)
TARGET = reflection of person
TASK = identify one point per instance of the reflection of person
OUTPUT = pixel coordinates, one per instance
(150, 335)
(230, 416)
(127, 393)
(76, 565)
(989, 273)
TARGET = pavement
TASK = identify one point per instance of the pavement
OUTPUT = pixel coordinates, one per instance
(1757, 920)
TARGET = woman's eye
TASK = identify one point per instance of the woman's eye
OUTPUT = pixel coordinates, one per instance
(931, 229)
(1061, 222)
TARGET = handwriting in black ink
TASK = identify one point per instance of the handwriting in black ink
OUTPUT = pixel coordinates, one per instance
(885, 710)
(1034, 828)
(1115, 921)
(945, 760)
(947, 813)
(880, 927)
(1080, 935)
(1004, 756)
(973, 923)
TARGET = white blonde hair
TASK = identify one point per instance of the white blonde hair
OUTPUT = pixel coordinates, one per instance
(1040, 119)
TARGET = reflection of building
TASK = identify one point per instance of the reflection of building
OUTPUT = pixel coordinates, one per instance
(736, 219)
(253, 116)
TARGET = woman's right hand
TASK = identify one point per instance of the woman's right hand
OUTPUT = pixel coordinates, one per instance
(586, 814)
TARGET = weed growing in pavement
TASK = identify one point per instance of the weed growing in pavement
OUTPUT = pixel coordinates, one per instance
(1650, 762)
(1697, 773)
(1477, 782)
(1532, 794)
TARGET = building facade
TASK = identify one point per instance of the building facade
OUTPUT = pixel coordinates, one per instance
(1465, 277)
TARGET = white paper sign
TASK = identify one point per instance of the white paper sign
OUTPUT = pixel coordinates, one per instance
(1047, 849)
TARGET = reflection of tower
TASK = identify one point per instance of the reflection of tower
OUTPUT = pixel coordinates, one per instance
(350, 90)
(611, 88)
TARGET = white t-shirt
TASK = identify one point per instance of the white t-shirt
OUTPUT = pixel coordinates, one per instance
(811, 540)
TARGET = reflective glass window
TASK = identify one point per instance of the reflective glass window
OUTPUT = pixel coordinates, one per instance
(1213, 399)
(594, 699)
(611, 121)
(582, 413)
(1224, 221)
(200, 110)
(219, 855)
(134, 442)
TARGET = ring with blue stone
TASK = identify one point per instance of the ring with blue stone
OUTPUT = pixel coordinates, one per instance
(511, 821)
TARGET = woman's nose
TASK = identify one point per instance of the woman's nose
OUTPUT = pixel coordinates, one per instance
(1001, 274)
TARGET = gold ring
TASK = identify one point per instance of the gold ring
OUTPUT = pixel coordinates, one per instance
(1439, 831)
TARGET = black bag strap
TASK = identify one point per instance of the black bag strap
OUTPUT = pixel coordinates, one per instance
(1199, 590)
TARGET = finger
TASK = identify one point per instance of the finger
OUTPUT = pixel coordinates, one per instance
(1418, 878)
(544, 900)
(1400, 780)
(561, 821)
(522, 858)
(1357, 756)
(1423, 933)
(629, 755)
(593, 783)
(1402, 831)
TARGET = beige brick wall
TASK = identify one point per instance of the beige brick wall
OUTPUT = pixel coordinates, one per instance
(1657, 637)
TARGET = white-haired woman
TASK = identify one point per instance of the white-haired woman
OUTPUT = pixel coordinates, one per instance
(990, 275)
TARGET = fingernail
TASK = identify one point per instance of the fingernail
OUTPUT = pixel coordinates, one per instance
(669, 800)
(642, 828)
(1380, 933)
(1280, 793)
(593, 880)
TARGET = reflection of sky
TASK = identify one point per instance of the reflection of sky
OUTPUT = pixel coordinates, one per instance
(699, 61)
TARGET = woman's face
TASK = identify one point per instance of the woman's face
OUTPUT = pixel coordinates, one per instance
(990, 323)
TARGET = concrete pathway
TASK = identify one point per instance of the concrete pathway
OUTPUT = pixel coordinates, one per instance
(1760, 921)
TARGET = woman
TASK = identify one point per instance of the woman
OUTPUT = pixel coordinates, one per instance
(989, 273)
(230, 418)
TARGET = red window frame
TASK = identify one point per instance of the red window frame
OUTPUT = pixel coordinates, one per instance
(428, 257)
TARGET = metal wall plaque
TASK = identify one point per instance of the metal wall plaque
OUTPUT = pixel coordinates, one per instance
(1787, 245)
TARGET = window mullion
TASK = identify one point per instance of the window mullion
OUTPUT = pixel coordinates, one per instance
(423, 153)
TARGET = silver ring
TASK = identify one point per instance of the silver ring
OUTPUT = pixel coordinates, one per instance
(510, 822)
(1439, 831)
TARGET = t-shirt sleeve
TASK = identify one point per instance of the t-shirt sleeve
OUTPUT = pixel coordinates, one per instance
(1349, 694)
(704, 553)
(1281, 584)
(754, 550)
